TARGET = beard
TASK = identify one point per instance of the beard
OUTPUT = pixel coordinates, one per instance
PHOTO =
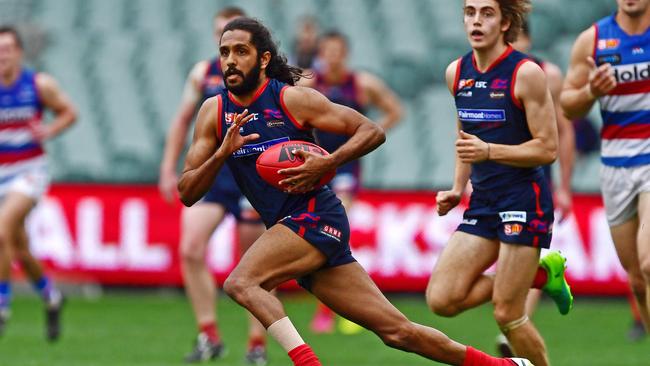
(249, 82)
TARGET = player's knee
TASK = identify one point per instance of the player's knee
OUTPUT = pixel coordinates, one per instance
(236, 287)
(443, 304)
(192, 251)
(505, 312)
(400, 335)
(442, 307)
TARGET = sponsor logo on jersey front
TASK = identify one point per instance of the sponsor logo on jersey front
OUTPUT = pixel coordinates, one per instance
(255, 149)
(273, 118)
(465, 83)
(482, 115)
(230, 117)
(612, 59)
(497, 95)
(499, 84)
(608, 43)
(12, 114)
(632, 72)
(513, 216)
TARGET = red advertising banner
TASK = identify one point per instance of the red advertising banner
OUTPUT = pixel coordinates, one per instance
(127, 235)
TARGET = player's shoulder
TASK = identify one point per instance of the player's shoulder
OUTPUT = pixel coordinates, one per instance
(303, 102)
(43, 79)
(212, 105)
(451, 72)
(529, 69)
(586, 39)
(45, 83)
(453, 67)
(297, 93)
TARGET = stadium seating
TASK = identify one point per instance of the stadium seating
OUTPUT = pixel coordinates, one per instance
(124, 63)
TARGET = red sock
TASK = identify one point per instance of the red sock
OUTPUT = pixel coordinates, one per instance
(540, 278)
(634, 308)
(322, 309)
(210, 330)
(254, 342)
(474, 357)
(304, 356)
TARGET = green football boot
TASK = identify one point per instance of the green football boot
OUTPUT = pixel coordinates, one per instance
(556, 285)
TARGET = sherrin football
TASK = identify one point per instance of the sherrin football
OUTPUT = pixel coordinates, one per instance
(280, 156)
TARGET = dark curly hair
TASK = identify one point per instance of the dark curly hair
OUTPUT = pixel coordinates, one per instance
(261, 38)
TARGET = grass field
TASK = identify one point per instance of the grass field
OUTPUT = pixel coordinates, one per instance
(157, 329)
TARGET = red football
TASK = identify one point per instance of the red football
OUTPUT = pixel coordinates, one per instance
(280, 156)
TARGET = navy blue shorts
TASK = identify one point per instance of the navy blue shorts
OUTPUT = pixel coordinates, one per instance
(325, 226)
(225, 192)
(521, 214)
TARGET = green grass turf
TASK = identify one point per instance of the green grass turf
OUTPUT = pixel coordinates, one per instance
(150, 329)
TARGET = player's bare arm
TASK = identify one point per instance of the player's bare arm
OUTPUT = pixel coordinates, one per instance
(532, 91)
(381, 96)
(206, 156)
(585, 81)
(566, 140)
(178, 131)
(311, 108)
(56, 100)
(446, 200)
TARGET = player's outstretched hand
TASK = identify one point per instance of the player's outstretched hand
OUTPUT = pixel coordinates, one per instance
(601, 78)
(233, 140)
(304, 178)
(446, 200)
(471, 149)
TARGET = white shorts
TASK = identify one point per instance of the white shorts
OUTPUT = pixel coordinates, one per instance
(33, 181)
(621, 188)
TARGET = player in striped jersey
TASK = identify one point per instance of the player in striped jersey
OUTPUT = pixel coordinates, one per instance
(610, 62)
(24, 95)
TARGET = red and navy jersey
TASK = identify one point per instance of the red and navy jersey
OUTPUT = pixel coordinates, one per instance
(487, 107)
(274, 123)
(20, 108)
(346, 93)
(212, 82)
